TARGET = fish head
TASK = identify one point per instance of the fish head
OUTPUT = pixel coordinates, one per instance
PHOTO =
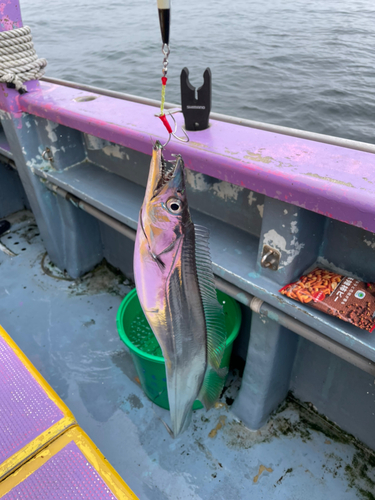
(165, 211)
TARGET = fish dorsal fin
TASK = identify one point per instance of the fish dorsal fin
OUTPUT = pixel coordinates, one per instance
(214, 316)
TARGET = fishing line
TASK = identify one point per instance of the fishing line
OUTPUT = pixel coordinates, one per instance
(164, 8)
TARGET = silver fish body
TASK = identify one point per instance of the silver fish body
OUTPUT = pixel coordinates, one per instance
(169, 273)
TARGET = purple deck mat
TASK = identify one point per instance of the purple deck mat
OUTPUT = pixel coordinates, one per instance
(66, 475)
(25, 409)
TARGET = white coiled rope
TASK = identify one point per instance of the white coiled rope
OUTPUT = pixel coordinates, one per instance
(18, 60)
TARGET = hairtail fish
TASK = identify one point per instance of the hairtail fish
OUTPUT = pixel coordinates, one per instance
(175, 286)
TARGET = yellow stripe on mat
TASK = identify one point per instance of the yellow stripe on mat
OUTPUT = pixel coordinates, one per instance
(34, 446)
(92, 454)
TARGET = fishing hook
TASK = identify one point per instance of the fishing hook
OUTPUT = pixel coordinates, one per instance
(171, 132)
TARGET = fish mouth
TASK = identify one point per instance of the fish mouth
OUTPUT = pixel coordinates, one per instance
(167, 169)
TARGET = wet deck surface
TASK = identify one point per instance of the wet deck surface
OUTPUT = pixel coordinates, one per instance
(68, 331)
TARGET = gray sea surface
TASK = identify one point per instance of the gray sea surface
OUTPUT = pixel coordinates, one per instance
(298, 63)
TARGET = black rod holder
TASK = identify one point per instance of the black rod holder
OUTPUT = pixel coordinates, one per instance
(196, 111)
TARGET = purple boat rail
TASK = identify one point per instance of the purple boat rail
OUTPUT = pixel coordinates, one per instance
(330, 180)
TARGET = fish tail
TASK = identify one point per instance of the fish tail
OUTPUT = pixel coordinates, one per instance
(181, 420)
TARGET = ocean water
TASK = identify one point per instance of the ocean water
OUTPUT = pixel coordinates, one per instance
(298, 63)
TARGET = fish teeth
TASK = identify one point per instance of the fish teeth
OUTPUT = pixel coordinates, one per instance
(167, 170)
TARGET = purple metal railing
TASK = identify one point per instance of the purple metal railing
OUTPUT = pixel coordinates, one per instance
(330, 180)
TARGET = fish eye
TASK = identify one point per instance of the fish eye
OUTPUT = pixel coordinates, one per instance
(174, 206)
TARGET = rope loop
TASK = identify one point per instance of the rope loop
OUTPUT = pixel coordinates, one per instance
(19, 62)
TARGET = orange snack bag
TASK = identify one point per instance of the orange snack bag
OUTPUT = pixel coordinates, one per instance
(338, 295)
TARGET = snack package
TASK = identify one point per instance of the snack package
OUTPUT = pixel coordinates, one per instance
(347, 298)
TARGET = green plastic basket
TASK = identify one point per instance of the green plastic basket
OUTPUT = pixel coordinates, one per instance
(136, 333)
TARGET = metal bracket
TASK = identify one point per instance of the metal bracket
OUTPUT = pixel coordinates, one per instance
(47, 155)
(270, 258)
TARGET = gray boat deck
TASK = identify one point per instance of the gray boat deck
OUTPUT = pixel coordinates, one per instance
(68, 331)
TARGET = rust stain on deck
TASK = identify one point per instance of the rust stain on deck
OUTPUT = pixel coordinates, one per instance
(262, 469)
(219, 425)
(219, 404)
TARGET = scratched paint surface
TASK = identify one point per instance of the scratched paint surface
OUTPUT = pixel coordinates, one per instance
(10, 15)
(334, 181)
